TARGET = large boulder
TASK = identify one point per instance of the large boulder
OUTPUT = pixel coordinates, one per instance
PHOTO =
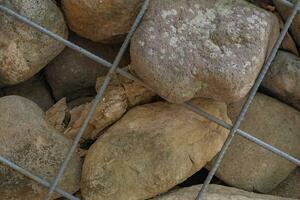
(23, 50)
(208, 48)
(249, 166)
(101, 21)
(74, 75)
(36, 89)
(28, 141)
(283, 79)
(215, 192)
(150, 150)
(290, 187)
(285, 12)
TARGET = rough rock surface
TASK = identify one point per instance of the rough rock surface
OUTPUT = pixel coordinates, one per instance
(290, 187)
(190, 48)
(283, 79)
(101, 21)
(150, 150)
(57, 114)
(247, 165)
(215, 192)
(74, 75)
(285, 12)
(121, 95)
(36, 89)
(23, 50)
(27, 140)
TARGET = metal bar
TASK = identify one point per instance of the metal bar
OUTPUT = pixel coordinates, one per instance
(248, 102)
(98, 97)
(247, 136)
(287, 3)
(35, 178)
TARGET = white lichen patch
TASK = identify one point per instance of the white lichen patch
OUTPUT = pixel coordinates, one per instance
(168, 13)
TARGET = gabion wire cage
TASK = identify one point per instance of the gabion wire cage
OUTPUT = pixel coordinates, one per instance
(113, 68)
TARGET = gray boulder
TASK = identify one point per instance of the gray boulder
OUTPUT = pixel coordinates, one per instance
(202, 48)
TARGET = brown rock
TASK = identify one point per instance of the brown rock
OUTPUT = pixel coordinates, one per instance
(285, 12)
(191, 48)
(283, 79)
(24, 51)
(249, 166)
(28, 141)
(215, 192)
(120, 96)
(290, 187)
(101, 21)
(74, 75)
(150, 150)
(56, 115)
(36, 89)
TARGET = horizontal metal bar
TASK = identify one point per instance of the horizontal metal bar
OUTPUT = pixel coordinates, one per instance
(35, 178)
(244, 134)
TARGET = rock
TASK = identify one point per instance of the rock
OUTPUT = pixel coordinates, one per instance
(35, 89)
(191, 48)
(285, 12)
(73, 75)
(215, 192)
(57, 114)
(121, 95)
(247, 165)
(101, 21)
(27, 140)
(288, 42)
(283, 79)
(24, 51)
(150, 150)
(290, 187)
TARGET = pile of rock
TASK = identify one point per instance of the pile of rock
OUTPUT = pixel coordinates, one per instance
(141, 143)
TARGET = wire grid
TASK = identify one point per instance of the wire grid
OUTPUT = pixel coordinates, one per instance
(113, 67)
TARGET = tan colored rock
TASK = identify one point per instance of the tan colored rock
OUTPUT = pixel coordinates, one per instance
(150, 150)
(101, 21)
(215, 192)
(249, 166)
(27, 140)
(283, 79)
(121, 95)
(285, 12)
(57, 114)
(198, 48)
(24, 51)
(290, 187)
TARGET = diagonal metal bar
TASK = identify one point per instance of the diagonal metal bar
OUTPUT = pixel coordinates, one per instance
(130, 76)
(248, 102)
(247, 136)
(35, 178)
(98, 97)
(287, 3)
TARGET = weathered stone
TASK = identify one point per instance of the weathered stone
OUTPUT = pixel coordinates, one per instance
(27, 140)
(288, 42)
(35, 89)
(150, 150)
(74, 75)
(208, 48)
(215, 192)
(285, 12)
(23, 50)
(101, 21)
(121, 95)
(283, 79)
(290, 187)
(57, 114)
(249, 166)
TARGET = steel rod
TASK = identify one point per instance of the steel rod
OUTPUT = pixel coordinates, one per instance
(248, 102)
(98, 98)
